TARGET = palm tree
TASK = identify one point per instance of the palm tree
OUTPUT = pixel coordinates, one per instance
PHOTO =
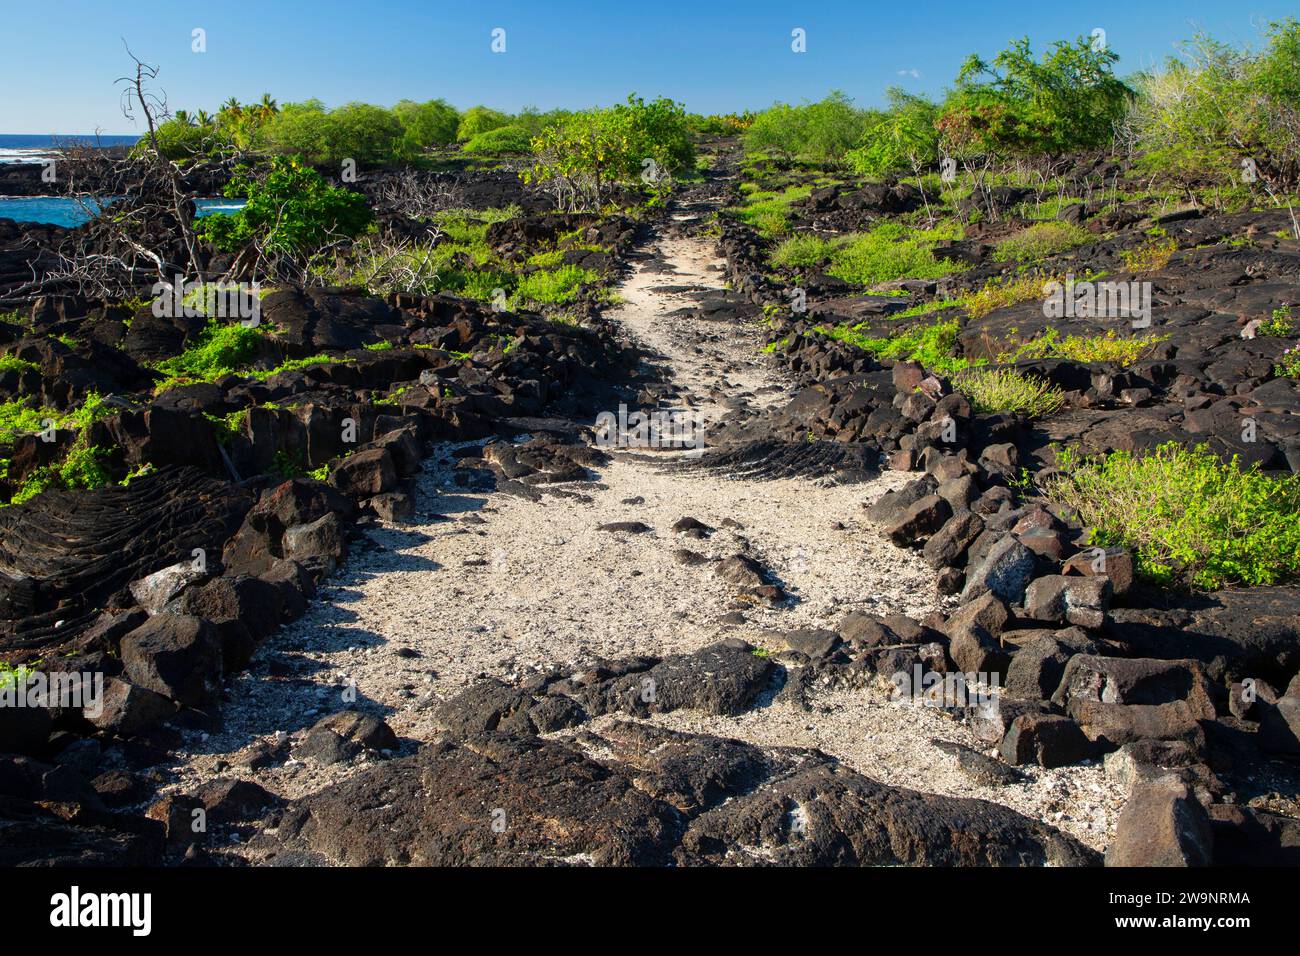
(267, 106)
(183, 117)
(232, 107)
(204, 118)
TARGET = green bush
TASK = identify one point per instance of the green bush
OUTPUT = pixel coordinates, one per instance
(222, 349)
(502, 140)
(554, 286)
(1110, 347)
(803, 251)
(1188, 517)
(181, 139)
(426, 124)
(905, 138)
(1204, 114)
(767, 211)
(368, 135)
(1022, 105)
(822, 132)
(291, 210)
(10, 363)
(1288, 364)
(477, 120)
(892, 251)
(589, 152)
(1008, 390)
(1278, 325)
(931, 345)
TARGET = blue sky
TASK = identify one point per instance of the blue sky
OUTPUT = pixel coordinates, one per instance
(59, 58)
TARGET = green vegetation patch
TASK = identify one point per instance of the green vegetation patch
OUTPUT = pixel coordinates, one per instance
(1041, 240)
(11, 363)
(890, 251)
(222, 349)
(768, 211)
(1188, 517)
(931, 345)
(1109, 347)
(552, 287)
(1008, 390)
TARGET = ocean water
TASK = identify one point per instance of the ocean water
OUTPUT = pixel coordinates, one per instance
(62, 211)
(59, 210)
(29, 148)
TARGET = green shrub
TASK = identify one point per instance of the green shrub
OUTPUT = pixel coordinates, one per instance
(547, 260)
(1288, 364)
(1279, 324)
(905, 138)
(1204, 114)
(180, 139)
(1152, 256)
(1109, 347)
(478, 120)
(500, 141)
(10, 363)
(1008, 390)
(1041, 240)
(634, 143)
(892, 251)
(1188, 517)
(998, 294)
(290, 210)
(369, 135)
(802, 251)
(821, 132)
(17, 418)
(480, 284)
(554, 287)
(222, 349)
(426, 124)
(767, 211)
(931, 345)
(1019, 104)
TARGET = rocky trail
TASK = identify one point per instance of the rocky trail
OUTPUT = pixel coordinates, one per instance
(507, 582)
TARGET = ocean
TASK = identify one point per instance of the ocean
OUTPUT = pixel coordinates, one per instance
(59, 210)
(32, 148)
(62, 211)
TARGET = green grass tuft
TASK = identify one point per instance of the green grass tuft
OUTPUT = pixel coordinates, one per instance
(1008, 390)
(1041, 240)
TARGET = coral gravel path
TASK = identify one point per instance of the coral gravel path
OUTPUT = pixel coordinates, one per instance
(493, 584)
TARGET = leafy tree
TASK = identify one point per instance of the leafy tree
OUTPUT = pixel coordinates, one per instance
(821, 132)
(179, 139)
(593, 150)
(1223, 115)
(426, 124)
(290, 210)
(904, 138)
(368, 134)
(1020, 105)
(479, 119)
